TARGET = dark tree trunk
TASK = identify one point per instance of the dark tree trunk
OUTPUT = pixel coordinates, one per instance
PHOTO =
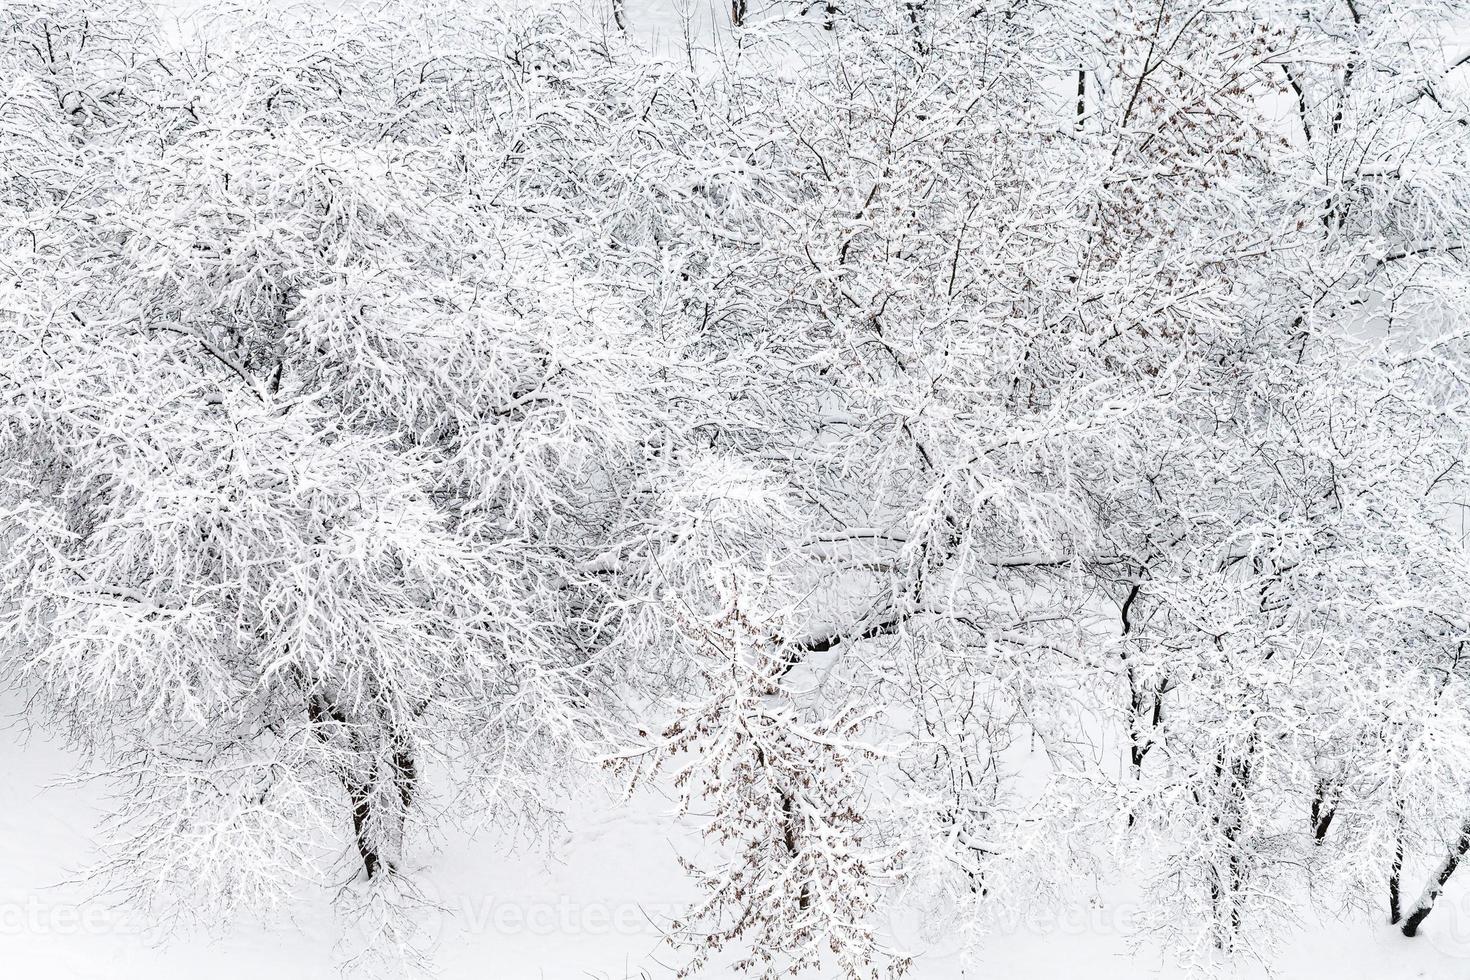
(1394, 912)
(1425, 905)
(405, 776)
(914, 8)
(1145, 703)
(1396, 870)
(788, 816)
(1323, 810)
(1081, 96)
(367, 793)
(1232, 778)
(362, 812)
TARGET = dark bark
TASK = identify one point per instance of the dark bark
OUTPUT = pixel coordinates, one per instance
(405, 776)
(1447, 867)
(1301, 101)
(1081, 96)
(788, 822)
(788, 814)
(1396, 870)
(364, 790)
(1335, 215)
(1323, 810)
(1394, 911)
(1232, 777)
(361, 797)
(1146, 703)
(914, 8)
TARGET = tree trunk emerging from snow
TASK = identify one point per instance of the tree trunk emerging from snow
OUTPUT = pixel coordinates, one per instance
(1421, 908)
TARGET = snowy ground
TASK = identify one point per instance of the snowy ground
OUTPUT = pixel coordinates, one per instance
(591, 914)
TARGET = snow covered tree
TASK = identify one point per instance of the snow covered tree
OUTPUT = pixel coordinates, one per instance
(311, 442)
